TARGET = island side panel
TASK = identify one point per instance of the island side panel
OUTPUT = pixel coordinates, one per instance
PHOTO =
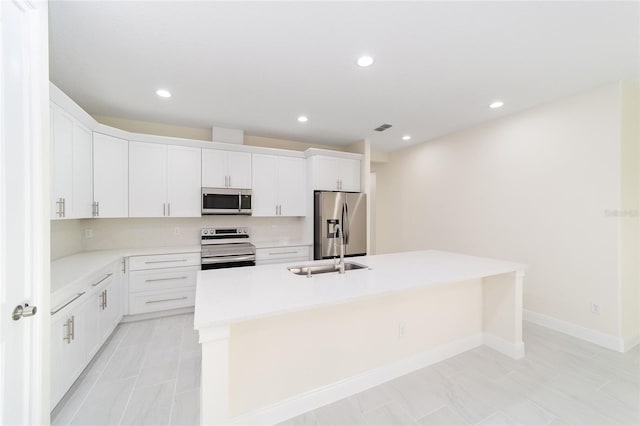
(279, 358)
(214, 382)
(502, 313)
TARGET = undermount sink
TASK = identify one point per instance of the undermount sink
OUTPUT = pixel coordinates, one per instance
(323, 269)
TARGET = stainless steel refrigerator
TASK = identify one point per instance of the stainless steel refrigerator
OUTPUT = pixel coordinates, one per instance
(347, 209)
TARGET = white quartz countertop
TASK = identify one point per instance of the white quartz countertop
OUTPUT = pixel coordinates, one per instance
(276, 243)
(227, 296)
(67, 271)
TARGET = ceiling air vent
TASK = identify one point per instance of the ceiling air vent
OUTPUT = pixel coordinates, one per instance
(382, 128)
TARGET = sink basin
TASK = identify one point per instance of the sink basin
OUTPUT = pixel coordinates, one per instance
(323, 269)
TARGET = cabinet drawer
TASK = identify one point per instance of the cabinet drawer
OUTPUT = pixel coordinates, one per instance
(137, 263)
(273, 255)
(152, 301)
(162, 279)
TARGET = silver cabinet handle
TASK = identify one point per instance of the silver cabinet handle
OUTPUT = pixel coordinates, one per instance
(64, 305)
(104, 278)
(97, 208)
(168, 209)
(165, 261)
(166, 300)
(64, 207)
(166, 279)
(59, 207)
(164, 209)
(102, 300)
(67, 324)
(106, 298)
(283, 252)
(73, 327)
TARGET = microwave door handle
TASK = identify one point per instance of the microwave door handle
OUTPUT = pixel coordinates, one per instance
(239, 201)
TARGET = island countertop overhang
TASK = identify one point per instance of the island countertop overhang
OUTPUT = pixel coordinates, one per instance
(228, 296)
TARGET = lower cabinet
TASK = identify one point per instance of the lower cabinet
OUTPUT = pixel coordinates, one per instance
(287, 254)
(79, 327)
(160, 282)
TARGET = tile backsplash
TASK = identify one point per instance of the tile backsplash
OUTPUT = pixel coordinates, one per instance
(68, 236)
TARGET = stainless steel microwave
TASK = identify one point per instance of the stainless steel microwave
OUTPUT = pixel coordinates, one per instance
(226, 201)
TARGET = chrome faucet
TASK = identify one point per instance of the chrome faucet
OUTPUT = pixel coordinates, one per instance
(337, 233)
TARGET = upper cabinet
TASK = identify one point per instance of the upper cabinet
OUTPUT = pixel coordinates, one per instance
(164, 180)
(110, 176)
(226, 169)
(335, 174)
(70, 167)
(278, 186)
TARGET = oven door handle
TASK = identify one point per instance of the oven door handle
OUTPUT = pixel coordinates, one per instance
(227, 259)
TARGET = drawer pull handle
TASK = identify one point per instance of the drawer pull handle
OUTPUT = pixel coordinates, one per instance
(166, 300)
(283, 252)
(166, 279)
(64, 305)
(165, 261)
(105, 277)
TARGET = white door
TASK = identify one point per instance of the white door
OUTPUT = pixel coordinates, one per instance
(24, 212)
(291, 186)
(183, 184)
(147, 179)
(239, 169)
(62, 165)
(110, 175)
(214, 168)
(326, 172)
(264, 200)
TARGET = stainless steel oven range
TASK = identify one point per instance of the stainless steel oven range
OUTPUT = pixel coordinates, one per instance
(226, 248)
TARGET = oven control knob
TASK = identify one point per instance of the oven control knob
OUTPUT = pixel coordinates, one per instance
(205, 232)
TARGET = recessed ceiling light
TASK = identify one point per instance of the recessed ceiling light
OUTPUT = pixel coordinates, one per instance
(496, 104)
(303, 119)
(365, 61)
(163, 93)
(406, 138)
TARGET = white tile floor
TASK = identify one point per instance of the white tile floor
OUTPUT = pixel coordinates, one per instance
(148, 374)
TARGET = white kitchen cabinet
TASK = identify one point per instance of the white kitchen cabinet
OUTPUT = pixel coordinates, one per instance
(71, 166)
(226, 169)
(80, 325)
(110, 176)
(164, 180)
(278, 186)
(162, 282)
(335, 174)
(291, 255)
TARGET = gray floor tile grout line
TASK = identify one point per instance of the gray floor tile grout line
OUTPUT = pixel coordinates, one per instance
(175, 385)
(77, 410)
(133, 388)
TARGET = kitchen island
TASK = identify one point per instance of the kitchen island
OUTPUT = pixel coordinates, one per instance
(275, 344)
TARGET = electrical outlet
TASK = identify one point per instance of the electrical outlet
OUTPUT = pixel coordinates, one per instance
(88, 233)
(176, 230)
(402, 328)
(595, 308)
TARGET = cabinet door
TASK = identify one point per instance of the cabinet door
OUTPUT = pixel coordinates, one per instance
(291, 186)
(82, 172)
(62, 164)
(326, 173)
(350, 175)
(111, 312)
(214, 168)
(58, 383)
(87, 326)
(264, 199)
(239, 169)
(111, 175)
(183, 184)
(147, 179)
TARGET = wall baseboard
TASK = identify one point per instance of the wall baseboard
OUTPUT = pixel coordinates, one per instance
(630, 341)
(580, 332)
(513, 350)
(324, 395)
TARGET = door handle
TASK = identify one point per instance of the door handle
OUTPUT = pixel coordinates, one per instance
(23, 311)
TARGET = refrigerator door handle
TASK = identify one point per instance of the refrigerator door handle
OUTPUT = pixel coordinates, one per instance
(345, 222)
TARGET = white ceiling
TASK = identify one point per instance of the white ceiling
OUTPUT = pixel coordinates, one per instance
(258, 65)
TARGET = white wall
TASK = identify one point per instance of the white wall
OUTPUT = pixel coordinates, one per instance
(67, 236)
(533, 187)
